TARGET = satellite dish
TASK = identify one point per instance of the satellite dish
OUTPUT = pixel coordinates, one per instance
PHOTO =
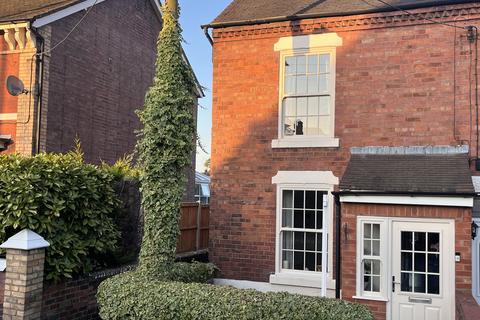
(15, 86)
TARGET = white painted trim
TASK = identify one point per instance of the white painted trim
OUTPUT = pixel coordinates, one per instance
(410, 200)
(8, 116)
(319, 178)
(40, 22)
(306, 142)
(308, 41)
(371, 298)
(269, 287)
(384, 263)
(310, 44)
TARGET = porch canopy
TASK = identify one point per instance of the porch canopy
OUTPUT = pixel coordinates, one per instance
(408, 171)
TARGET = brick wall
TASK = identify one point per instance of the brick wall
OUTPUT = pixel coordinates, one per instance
(74, 299)
(9, 65)
(394, 87)
(350, 211)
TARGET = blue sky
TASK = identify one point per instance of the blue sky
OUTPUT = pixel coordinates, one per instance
(195, 13)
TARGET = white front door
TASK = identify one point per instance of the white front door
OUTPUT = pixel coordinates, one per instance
(423, 270)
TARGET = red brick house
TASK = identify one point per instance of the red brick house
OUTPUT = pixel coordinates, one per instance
(345, 138)
(87, 65)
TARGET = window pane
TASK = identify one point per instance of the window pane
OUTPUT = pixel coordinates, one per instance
(310, 243)
(299, 240)
(301, 64)
(319, 262)
(324, 125)
(406, 240)
(322, 83)
(289, 126)
(324, 63)
(367, 267)
(313, 106)
(375, 247)
(290, 107)
(367, 231)
(310, 219)
(376, 231)
(420, 262)
(301, 85)
(376, 267)
(367, 247)
(313, 64)
(290, 65)
(298, 219)
(287, 260)
(287, 242)
(302, 109)
(367, 283)
(419, 241)
(407, 261)
(406, 282)
(310, 199)
(320, 200)
(433, 242)
(310, 261)
(298, 260)
(419, 283)
(290, 85)
(287, 218)
(312, 126)
(319, 219)
(433, 263)
(287, 199)
(324, 105)
(319, 242)
(298, 199)
(312, 84)
(376, 284)
(433, 284)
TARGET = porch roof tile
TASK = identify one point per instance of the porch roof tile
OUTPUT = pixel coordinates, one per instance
(408, 173)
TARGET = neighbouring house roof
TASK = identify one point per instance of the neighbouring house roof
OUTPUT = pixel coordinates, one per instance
(408, 173)
(261, 11)
(201, 178)
(15, 10)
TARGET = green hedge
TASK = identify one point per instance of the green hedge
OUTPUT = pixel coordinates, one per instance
(127, 296)
(70, 203)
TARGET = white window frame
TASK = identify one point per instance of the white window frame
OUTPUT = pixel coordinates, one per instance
(305, 180)
(301, 45)
(384, 243)
(476, 263)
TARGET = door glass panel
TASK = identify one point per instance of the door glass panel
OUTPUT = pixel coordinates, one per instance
(420, 256)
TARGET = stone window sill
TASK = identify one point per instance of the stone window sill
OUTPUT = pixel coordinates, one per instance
(306, 142)
(301, 280)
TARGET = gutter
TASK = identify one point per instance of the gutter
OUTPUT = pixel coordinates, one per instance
(404, 193)
(297, 17)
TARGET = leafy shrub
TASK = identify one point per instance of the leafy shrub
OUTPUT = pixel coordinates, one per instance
(191, 272)
(70, 203)
(128, 296)
(123, 169)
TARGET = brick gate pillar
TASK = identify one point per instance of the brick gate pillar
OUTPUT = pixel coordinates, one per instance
(24, 276)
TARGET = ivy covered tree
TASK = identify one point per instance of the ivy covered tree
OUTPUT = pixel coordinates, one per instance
(165, 147)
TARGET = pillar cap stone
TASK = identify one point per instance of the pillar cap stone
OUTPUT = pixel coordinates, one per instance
(25, 240)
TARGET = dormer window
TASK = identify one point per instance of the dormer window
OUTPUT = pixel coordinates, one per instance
(307, 91)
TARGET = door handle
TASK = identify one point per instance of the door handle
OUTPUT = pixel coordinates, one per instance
(394, 283)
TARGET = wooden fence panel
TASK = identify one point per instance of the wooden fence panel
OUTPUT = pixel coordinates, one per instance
(194, 228)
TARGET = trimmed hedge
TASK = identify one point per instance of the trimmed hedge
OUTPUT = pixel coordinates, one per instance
(128, 296)
(70, 203)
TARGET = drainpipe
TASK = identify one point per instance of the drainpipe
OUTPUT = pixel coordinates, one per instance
(338, 251)
(39, 56)
(209, 38)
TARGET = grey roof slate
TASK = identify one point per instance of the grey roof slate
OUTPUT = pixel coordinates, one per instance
(408, 173)
(257, 10)
(19, 10)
